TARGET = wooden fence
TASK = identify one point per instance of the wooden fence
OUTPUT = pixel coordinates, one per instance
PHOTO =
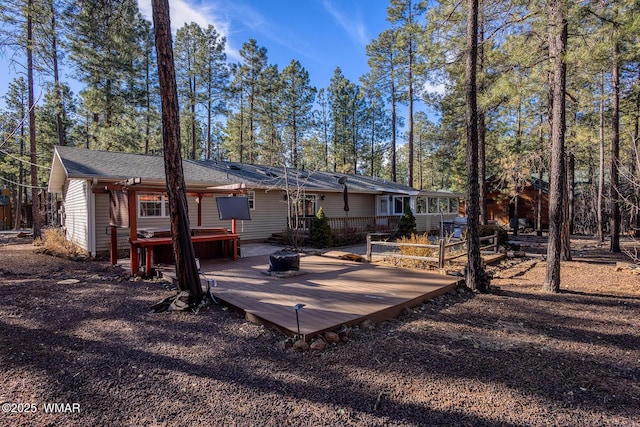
(441, 249)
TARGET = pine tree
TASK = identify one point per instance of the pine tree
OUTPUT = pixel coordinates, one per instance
(558, 29)
(384, 61)
(403, 16)
(186, 271)
(296, 104)
(189, 49)
(98, 29)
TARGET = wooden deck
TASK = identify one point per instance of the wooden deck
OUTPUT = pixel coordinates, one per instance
(335, 292)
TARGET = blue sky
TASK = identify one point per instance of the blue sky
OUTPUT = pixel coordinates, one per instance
(321, 34)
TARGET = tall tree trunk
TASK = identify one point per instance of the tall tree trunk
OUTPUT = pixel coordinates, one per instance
(394, 171)
(473, 271)
(193, 119)
(410, 95)
(147, 95)
(567, 209)
(615, 153)
(209, 116)
(635, 159)
(482, 128)
(557, 45)
(35, 205)
(19, 202)
(60, 112)
(601, 163)
(540, 173)
(186, 270)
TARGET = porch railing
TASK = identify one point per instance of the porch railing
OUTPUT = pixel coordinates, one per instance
(349, 229)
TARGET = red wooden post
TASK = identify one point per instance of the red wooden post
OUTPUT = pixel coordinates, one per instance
(148, 260)
(235, 241)
(133, 229)
(113, 258)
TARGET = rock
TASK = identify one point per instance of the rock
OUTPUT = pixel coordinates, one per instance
(519, 254)
(343, 333)
(300, 346)
(332, 337)
(367, 325)
(318, 345)
(68, 282)
(288, 343)
(407, 311)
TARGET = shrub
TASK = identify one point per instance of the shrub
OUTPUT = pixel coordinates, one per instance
(407, 225)
(320, 232)
(414, 250)
(53, 242)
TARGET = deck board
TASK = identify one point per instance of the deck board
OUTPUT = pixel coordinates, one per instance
(335, 292)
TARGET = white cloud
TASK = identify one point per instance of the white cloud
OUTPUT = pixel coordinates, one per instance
(184, 12)
(434, 88)
(353, 26)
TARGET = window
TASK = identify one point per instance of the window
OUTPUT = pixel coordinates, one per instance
(421, 204)
(383, 205)
(454, 205)
(153, 205)
(251, 197)
(443, 205)
(400, 204)
(433, 205)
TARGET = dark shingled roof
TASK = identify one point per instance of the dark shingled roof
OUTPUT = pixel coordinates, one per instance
(117, 166)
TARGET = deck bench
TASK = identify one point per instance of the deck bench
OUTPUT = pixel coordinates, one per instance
(148, 243)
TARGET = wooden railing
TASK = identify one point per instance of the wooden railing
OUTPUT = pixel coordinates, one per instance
(348, 229)
(441, 249)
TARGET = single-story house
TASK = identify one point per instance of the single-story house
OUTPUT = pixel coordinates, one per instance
(96, 189)
(501, 206)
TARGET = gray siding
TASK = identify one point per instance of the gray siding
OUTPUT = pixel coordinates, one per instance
(269, 215)
(359, 204)
(103, 232)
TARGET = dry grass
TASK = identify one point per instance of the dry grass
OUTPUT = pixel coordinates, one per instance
(53, 242)
(421, 239)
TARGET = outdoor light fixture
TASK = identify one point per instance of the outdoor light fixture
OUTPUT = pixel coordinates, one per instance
(322, 197)
(133, 181)
(296, 308)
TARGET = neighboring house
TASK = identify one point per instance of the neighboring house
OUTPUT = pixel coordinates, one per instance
(501, 206)
(95, 196)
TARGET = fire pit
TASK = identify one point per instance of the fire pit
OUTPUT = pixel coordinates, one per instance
(284, 261)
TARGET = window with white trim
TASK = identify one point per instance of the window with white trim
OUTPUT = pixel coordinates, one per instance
(153, 206)
(400, 204)
(251, 197)
(383, 205)
(421, 204)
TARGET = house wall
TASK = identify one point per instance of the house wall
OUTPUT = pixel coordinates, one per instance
(76, 218)
(359, 204)
(430, 222)
(268, 216)
(103, 231)
(500, 208)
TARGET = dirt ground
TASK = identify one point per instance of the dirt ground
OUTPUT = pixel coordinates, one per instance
(77, 334)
